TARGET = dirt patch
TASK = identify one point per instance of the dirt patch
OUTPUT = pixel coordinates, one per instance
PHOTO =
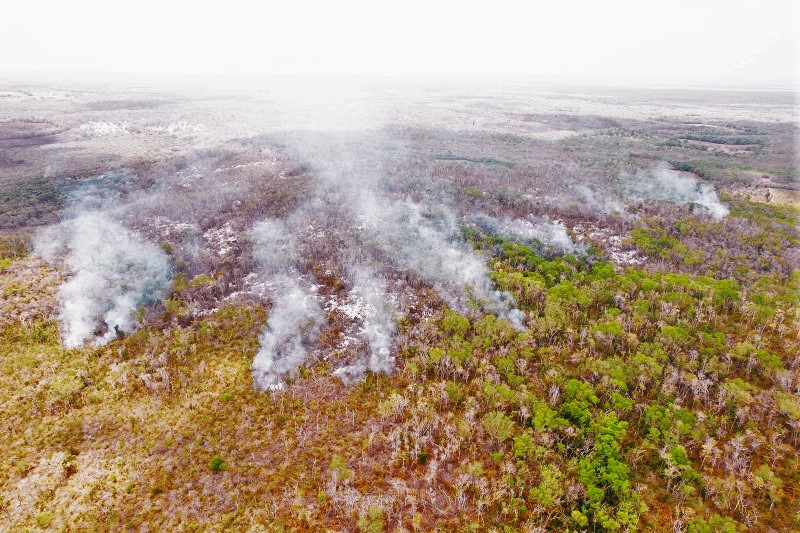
(784, 196)
(772, 195)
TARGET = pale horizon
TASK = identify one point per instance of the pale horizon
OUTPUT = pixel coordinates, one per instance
(682, 43)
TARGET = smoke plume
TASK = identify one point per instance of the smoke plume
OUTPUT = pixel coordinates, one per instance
(352, 200)
(372, 303)
(551, 234)
(428, 242)
(114, 272)
(599, 202)
(296, 316)
(667, 185)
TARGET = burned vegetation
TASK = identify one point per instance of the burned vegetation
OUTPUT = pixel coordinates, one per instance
(269, 315)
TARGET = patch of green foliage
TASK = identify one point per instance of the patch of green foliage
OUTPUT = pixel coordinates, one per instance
(28, 202)
(217, 464)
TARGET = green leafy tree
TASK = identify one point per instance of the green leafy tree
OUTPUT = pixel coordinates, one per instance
(498, 425)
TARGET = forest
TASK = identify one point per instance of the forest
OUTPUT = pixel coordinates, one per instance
(529, 309)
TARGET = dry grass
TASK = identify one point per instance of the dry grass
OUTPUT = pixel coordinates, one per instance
(123, 435)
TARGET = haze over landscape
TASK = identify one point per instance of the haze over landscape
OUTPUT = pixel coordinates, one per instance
(348, 267)
(712, 41)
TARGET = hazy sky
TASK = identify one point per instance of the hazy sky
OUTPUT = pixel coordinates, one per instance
(746, 41)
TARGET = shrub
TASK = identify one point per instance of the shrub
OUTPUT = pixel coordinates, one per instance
(454, 324)
(713, 524)
(217, 464)
(44, 519)
(523, 446)
(454, 392)
(550, 489)
(339, 467)
(372, 522)
(498, 425)
(765, 478)
(579, 398)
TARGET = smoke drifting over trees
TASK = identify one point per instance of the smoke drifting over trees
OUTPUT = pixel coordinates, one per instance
(402, 307)
(371, 301)
(296, 316)
(114, 272)
(428, 242)
(356, 192)
(552, 235)
(663, 184)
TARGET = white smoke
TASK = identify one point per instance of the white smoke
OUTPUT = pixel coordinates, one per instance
(296, 316)
(372, 304)
(664, 184)
(425, 241)
(592, 200)
(409, 235)
(273, 246)
(552, 234)
(293, 324)
(114, 272)
(429, 243)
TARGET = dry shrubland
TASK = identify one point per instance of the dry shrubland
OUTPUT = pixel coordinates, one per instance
(459, 317)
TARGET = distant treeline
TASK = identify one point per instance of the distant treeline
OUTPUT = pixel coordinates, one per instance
(478, 160)
(716, 139)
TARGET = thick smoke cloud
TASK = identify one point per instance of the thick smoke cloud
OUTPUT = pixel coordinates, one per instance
(424, 240)
(296, 316)
(667, 185)
(114, 272)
